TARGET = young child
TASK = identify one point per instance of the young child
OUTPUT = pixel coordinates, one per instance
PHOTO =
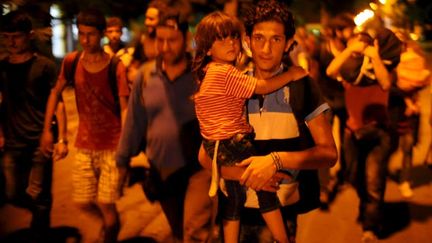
(219, 105)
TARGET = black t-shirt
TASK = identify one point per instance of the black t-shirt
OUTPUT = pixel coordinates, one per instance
(25, 89)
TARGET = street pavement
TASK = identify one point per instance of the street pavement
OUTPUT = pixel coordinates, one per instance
(406, 220)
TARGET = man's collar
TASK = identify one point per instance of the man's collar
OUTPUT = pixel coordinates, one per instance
(277, 72)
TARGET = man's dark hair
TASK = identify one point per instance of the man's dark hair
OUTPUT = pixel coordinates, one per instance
(269, 10)
(16, 21)
(172, 18)
(92, 17)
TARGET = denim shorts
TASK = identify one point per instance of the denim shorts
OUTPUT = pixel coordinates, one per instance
(232, 150)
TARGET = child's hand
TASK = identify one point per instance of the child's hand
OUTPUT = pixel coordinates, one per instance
(296, 72)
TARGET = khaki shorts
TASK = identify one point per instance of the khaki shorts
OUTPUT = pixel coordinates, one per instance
(95, 177)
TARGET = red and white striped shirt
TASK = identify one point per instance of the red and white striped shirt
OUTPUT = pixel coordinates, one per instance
(220, 102)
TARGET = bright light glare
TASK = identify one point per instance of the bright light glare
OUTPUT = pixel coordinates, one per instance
(414, 36)
(363, 16)
(383, 1)
(373, 6)
(55, 11)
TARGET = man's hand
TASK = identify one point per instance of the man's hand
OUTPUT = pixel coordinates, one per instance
(46, 143)
(260, 169)
(60, 151)
(272, 185)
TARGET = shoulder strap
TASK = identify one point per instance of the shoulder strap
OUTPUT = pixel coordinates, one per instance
(112, 77)
(69, 68)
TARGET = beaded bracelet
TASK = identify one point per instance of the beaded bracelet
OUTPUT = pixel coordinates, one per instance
(276, 160)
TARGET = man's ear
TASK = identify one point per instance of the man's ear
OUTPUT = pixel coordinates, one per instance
(288, 44)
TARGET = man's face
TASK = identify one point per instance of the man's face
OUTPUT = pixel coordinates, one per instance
(16, 42)
(170, 44)
(151, 19)
(113, 33)
(89, 37)
(268, 44)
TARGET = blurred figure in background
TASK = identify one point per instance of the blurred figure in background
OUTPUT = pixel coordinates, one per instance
(161, 115)
(368, 140)
(113, 32)
(404, 104)
(144, 47)
(101, 96)
(26, 79)
(334, 40)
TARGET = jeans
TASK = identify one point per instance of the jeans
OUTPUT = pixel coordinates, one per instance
(366, 152)
(28, 176)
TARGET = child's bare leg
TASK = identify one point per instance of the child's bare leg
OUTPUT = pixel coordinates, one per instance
(231, 231)
(276, 225)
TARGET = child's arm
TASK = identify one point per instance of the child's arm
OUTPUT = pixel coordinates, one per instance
(277, 82)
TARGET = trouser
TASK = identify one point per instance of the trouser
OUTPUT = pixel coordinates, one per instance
(367, 152)
(186, 204)
(27, 178)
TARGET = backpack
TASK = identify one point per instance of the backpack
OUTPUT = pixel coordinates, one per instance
(69, 75)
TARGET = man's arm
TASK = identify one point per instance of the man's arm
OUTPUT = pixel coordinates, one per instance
(123, 109)
(260, 169)
(382, 75)
(47, 139)
(123, 89)
(234, 173)
(134, 128)
(61, 148)
(333, 69)
(133, 132)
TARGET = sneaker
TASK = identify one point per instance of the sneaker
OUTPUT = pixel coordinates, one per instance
(405, 189)
(369, 237)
